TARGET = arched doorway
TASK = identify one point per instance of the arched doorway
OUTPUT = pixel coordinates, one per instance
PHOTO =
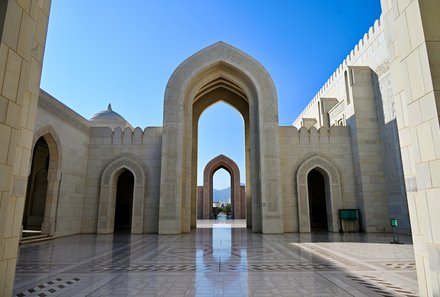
(317, 201)
(124, 201)
(125, 177)
(37, 188)
(43, 184)
(220, 73)
(319, 177)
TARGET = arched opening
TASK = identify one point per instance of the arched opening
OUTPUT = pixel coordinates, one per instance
(35, 204)
(221, 194)
(319, 191)
(223, 108)
(219, 73)
(317, 201)
(124, 190)
(124, 201)
(231, 179)
(221, 131)
(45, 177)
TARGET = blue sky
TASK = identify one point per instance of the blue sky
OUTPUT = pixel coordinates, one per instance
(124, 52)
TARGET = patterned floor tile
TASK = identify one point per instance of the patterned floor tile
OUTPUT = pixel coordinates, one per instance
(218, 260)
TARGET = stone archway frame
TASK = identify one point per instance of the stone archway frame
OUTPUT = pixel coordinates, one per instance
(230, 166)
(332, 189)
(219, 67)
(48, 226)
(107, 197)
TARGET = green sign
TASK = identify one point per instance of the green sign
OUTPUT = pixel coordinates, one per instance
(349, 214)
(393, 222)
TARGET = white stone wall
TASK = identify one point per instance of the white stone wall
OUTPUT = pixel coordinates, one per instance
(414, 39)
(105, 146)
(72, 131)
(333, 144)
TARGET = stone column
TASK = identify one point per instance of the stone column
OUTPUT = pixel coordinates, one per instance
(23, 28)
(50, 212)
(367, 152)
(414, 38)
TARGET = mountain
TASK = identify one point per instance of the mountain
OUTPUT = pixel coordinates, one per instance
(221, 195)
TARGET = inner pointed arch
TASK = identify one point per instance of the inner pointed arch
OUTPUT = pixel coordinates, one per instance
(221, 93)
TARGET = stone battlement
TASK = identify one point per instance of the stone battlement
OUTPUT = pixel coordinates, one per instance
(126, 136)
(313, 135)
(363, 45)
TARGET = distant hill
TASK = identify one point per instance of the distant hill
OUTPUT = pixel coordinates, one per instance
(222, 195)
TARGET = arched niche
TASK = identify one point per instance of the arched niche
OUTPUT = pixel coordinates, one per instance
(107, 197)
(49, 135)
(220, 72)
(332, 189)
(231, 167)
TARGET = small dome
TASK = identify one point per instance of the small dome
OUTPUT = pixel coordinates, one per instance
(109, 118)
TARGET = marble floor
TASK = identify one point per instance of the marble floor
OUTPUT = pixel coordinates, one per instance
(220, 258)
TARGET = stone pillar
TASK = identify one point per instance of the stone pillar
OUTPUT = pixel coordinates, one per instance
(50, 212)
(23, 28)
(367, 152)
(326, 105)
(414, 39)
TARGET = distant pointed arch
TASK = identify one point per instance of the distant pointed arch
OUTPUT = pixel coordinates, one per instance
(238, 203)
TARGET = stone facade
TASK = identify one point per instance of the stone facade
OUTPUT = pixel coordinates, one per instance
(371, 136)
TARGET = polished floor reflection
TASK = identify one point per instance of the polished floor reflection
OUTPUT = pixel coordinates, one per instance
(220, 258)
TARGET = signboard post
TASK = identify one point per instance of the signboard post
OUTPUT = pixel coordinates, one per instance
(393, 223)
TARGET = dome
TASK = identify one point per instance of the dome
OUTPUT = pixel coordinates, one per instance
(109, 118)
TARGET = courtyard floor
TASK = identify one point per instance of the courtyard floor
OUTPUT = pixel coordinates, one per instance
(220, 258)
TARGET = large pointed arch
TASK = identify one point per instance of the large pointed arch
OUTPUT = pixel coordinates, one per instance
(220, 72)
(49, 134)
(107, 197)
(332, 187)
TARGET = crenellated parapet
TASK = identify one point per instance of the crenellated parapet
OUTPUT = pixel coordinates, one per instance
(366, 44)
(313, 135)
(127, 136)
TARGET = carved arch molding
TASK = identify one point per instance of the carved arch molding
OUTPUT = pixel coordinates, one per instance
(53, 176)
(107, 198)
(332, 190)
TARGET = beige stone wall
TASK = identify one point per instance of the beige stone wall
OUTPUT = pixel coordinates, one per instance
(369, 109)
(296, 147)
(23, 27)
(71, 132)
(107, 146)
(84, 152)
(414, 41)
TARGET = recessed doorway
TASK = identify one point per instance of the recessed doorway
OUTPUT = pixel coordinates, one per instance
(37, 188)
(317, 201)
(124, 202)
